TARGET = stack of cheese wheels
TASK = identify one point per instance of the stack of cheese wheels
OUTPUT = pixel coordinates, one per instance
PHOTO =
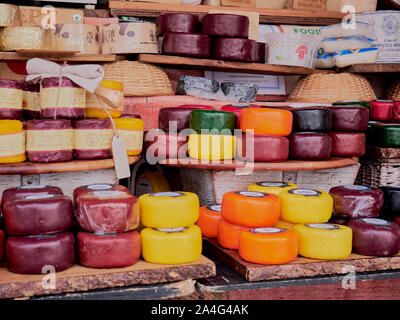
(37, 219)
(170, 235)
(107, 216)
(264, 134)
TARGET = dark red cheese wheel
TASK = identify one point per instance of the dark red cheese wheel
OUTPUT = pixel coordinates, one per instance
(350, 118)
(28, 255)
(356, 201)
(348, 144)
(164, 145)
(382, 110)
(38, 214)
(263, 148)
(109, 250)
(98, 187)
(174, 119)
(260, 53)
(177, 22)
(16, 111)
(2, 242)
(375, 237)
(33, 88)
(310, 146)
(226, 25)
(235, 49)
(396, 112)
(187, 44)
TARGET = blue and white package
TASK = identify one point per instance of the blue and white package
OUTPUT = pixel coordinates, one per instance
(346, 29)
(349, 57)
(325, 61)
(332, 45)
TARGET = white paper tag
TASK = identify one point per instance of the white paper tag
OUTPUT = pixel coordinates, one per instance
(121, 163)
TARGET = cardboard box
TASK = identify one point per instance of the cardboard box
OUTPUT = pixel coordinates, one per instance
(319, 5)
(239, 3)
(39, 16)
(359, 5)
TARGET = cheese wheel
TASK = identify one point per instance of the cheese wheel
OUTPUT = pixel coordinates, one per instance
(186, 44)
(316, 119)
(269, 245)
(324, 241)
(83, 190)
(396, 112)
(236, 109)
(250, 208)
(2, 241)
(108, 250)
(260, 53)
(21, 38)
(212, 146)
(30, 254)
(310, 146)
(174, 119)
(382, 110)
(226, 25)
(391, 204)
(165, 145)
(177, 22)
(169, 209)
(30, 99)
(131, 130)
(212, 121)
(284, 225)
(263, 148)
(189, 85)
(235, 49)
(49, 140)
(171, 246)
(239, 91)
(356, 201)
(271, 187)
(209, 217)
(229, 234)
(12, 141)
(360, 103)
(151, 182)
(305, 206)
(375, 237)
(38, 214)
(267, 121)
(384, 135)
(350, 118)
(348, 144)
(10, 99)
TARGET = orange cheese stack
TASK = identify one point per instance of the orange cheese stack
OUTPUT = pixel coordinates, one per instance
(209, 217)
(269, 245)
(229, 234)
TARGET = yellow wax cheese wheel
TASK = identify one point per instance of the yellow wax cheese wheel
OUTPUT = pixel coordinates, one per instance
(131, 130)
(271, 187)
(171, 246)
(151, 182)
(12, 141)
(324, 241)
(211, 146)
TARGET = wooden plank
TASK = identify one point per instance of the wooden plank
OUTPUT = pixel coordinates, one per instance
(78, 57)
(301, 267)
(79, 278)
(372, 68)
(274, 16)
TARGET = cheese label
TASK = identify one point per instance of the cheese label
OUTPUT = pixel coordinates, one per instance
(49, 140)
(167, 194)
(31, 101)
(92, 139)
(252, 194)
(358, 188)
(108, 194)
(305, 192)
(10, 98)
(215, 207)
(133, 139)
(34, 186)
(99, 187)
(267, 230)
(174, 230)
(273, 184)
(39, 196)
(376, 222)
(12, 144)
(322, 226)
(69, 98)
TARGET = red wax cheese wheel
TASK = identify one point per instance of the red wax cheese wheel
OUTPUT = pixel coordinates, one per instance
(30, 254)
(209, 217)
(262, 148)
(11, 106)
(38, 214)
(187, 44)
(396, 112)
(260, 53)
(350, 118)
(236, 49)
(164, 145)
(226, 25)
(2, 241)
(251, 209)
(348, 144)
(178, 22)
(237, 110)
(356, 201)
(108, 250)
(107, 211)
(382, 110)
(98, 187)
(229, 234)
(310, 146)
(174, 119)
(267, 121)
(375, 237)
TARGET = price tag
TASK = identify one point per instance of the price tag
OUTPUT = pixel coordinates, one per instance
(121, 163)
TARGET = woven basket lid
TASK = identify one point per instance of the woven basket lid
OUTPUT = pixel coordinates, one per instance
(332, 87)
(394, 91)
(139, 79)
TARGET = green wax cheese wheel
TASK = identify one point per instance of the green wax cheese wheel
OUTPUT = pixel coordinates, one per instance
(384, 135)
(217, 122)
(366, 104)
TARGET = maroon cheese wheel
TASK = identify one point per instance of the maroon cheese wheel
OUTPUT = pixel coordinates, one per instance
(16, 111)
(235, 49)
(164, 145)
(382, 110)
(266, 148)
(109, 250)
(375, 237)
(226, 25)
(356, 201)
(50, 151)
(310, 146)
(98, 187)
(29, 254)
(38, 214)
(178, 22)
(186, 44)
(2, 241)
(350, 118)
(348, 144)
(260, 53)
(101, 134)
(30, 87)
(174, 118)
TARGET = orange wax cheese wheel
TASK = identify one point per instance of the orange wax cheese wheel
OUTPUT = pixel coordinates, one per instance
(271, 187)
(267, 121)
(229, 234)
(209, 217)
(251, 209)
(269, 245)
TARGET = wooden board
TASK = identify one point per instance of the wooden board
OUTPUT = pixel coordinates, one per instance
(25, 168)
(273, 16)
(78, 57)
(219, 65)
(301, 267)
(40, 52)
(79, 278)
(372, 68)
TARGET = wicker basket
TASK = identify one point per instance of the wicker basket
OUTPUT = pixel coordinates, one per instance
(331, 87)
(376, 173)
(139, 79)
(394, 91)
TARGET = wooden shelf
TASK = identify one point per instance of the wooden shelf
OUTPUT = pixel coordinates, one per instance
(372, 68)
(63, 56)
(273, 16)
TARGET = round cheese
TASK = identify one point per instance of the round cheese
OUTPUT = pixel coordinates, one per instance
(312, 119)
(310, 146)
(211, 146)
(165, 145)
(382, 110)
(11, 101)
(263, 148)
(271, 187)
(229, 234)
(131, 130)
(226, 25)
(186, 44)
(350, 118)
(177, 22)
(209, 217)
(235, 49)
(212, 121)
(348, 144)
(12, 142)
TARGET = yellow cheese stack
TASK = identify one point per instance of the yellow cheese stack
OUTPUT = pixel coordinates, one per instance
(131, 130)
(271, 187)
(12, 141)
(212, 146)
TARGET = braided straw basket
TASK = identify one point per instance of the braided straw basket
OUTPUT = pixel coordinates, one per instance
(394, 91)
(139, 79)
(331, 87)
